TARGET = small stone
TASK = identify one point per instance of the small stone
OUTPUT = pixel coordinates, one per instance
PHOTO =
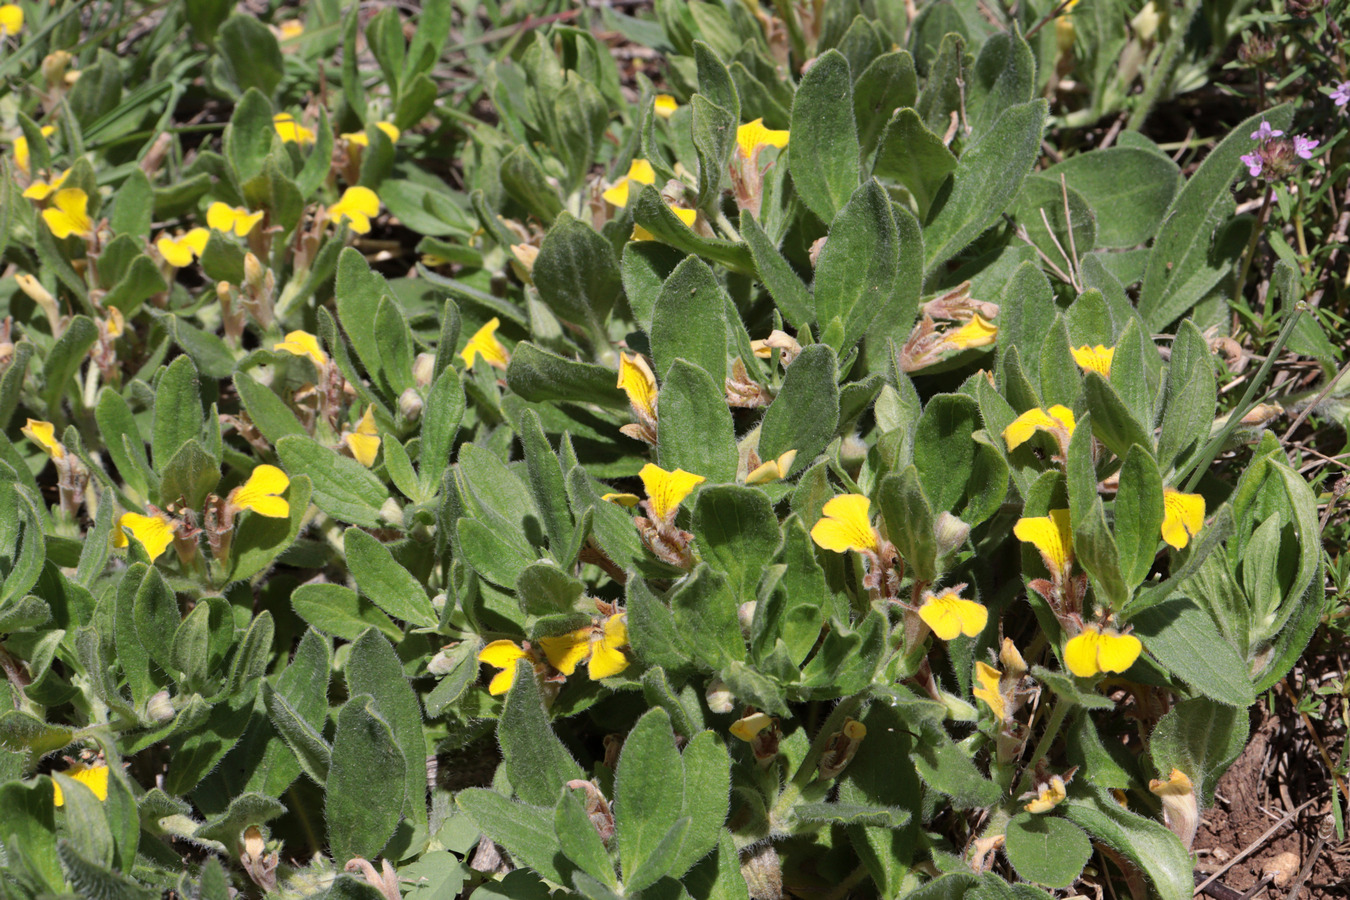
(1282, 868)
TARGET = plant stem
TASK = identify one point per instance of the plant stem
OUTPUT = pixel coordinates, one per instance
(1161, 73)
(1057, 716)
(1250, 252)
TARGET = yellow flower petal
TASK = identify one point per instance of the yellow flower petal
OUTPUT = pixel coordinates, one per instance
(93, 777)
(637, 381)
(978, 332)
(44, 435)
(291, 29)
(745, 729)
(502, 655)
(1183, 517)
(618, 194)
(69, 213)
(773, 470)
(667, 490)
(484, 343)
(846, 525)
(1095, 651)
(154, 532)
(390, 131)
(753, 135)
(687, 216)
(950, 614)
(181, 250)
(1050, 796)
(665, 105)
(261, 493)
(359, 138)
(627, 500)
(607, 656)
(358, 205)
(1094, 359)
(41, 190)
(1052, 535)
(365, 442)
(302, 343)
(1056, 418)
(291, 131)
(988, 690)
(565, 652)
(22, 153)
(226, 218)
(11, 22)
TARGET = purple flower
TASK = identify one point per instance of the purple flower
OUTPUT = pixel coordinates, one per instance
(1253, 163)
(1304, 146)
(1341, 96)
(1265, 132)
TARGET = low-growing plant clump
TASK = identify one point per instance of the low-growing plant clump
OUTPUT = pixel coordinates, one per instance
(816, 444)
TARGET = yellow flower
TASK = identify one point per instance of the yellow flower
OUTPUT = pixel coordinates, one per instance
(667, 490)
(602, 647)
(261, 493)
(1098, 650)
(365, 441)
(1050, 796)
(753, 135)
(687, 216)
(503, 655)
(1183, 517)
(223, 217)
(989, 690)
(44, 435)
(484, 343)
(361, 139)
(1052, 535)
(11, 22)
(639, 171)
(41, 190)
(978, 332)
(302, 343)
(357, 205)
(625, 500)
(747, 728)
(93, 777)
(291, 131)
(69, 213)
(1094, 359)
(846, 525)
(1058, 420)
(154, 532)
(637, 381)
(291, 29)
(181, 250)
(665, 105)
(115, 324)
(22, 155)
(772, 470)
(949, 614)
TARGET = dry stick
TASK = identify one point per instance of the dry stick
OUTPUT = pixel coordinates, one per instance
(1317, 739)
(1071, 279)
(1251, 848)
(1307, 410)
(1308, 866)
(1074, 266)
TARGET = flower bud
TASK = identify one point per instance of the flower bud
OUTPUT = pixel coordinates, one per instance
(719, 697)
(763, 873)
(54, 67)
(1146, 23)
(950, 533)
(390, 511)
(254, 271)
(410, 404)
(1181, 808)
(1064, 35)
(444, 661)
(745, 613)
(159, 707)
(840, 749)
(424, 369)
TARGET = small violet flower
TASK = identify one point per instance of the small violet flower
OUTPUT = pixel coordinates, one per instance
(1265, 132)
(1304, 146)
(1253, 163)
(1341, 95)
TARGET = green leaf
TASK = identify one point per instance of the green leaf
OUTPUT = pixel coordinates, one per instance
(178, 411)
(364, 793)
(823, 159)
(887, 84)
(251, 54)
(579, 840)
(737, 533)
(259, 540)
(1202, 739)
(653, 630)
(576, 274)
(1093, 544)
(909, 521)
(90, 879)
(943, 89)
(1135, 185)
(537, 763)
(695, 427)
(652, 213)
(915, 157)
(944, 452)
(527, 832)
(1042, 200)
(1138, 515)
(1047, 849)
(856, 272)
(789, 294)
(1189, 400)
(343, 487)
(1004, 75)
(394, 342)
(1184, 639)
(156, 617)
(690, 321)
(705, 611)
(374, 668)
(358, 291)
(526, 182)
(648, 793)
(305, 740)
(1187, 258)
(1112, 420)
(389, 585)
(30, 826)
(947, 768)
(986, 180)
(805, 414)
(189, 476)
(341, 612)
(714, 136)
(1146, 844)
(64, 359)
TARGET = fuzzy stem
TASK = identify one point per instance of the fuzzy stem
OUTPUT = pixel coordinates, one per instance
(1161, 73)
